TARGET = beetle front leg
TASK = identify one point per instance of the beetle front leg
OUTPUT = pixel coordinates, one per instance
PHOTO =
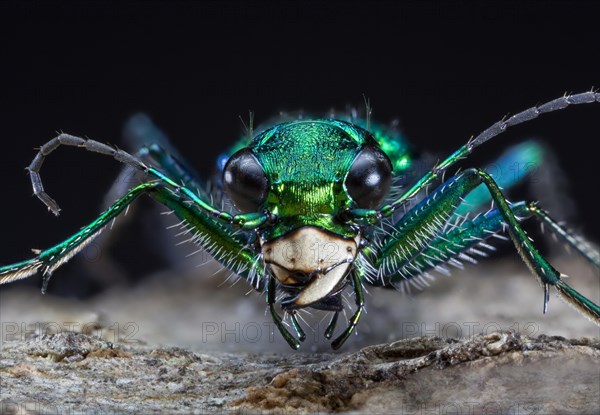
(271, 290)
(360, 305)
(423, 227)
(214, 237)
(459, 242)
(50, 259)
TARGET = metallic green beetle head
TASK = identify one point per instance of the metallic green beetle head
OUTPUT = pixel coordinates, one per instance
(306, 174)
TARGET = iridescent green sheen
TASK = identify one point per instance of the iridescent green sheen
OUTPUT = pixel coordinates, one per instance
(306, 163)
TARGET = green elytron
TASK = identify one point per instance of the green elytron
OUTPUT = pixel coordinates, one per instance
(313, 212)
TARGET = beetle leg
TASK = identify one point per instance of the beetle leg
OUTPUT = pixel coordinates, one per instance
(541, 268)
(50, 259)
(331, 326)
(423, 227)
(214, 237)
(461, 242)
(271, 288)
(153, 155)
(513, 166)
(360, 304)
(572, 239)
(450, 244)
(299, 332)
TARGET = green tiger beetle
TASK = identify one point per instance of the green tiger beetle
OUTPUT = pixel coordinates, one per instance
(312, 210)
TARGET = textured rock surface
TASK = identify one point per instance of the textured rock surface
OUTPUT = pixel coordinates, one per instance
(495, 373)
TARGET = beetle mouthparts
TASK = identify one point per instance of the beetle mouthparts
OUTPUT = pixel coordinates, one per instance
(310, 259)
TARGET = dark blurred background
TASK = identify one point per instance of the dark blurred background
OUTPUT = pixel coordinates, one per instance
(446, 70)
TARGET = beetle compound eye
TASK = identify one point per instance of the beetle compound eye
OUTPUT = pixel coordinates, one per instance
(245, 181)
(369, 179)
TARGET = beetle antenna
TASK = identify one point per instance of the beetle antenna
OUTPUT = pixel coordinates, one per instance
(534, 112)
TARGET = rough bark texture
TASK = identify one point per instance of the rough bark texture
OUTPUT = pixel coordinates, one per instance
(496, 373)
(472, 344)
